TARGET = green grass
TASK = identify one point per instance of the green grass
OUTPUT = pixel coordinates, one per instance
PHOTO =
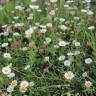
(52, 82)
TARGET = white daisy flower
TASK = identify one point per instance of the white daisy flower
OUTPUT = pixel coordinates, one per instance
(63, 27)
(52, 12)
(11, 75)
(91, 27)
(46, 58)
(4, 45)
(31, 84)
(42, 26)
(24, 84)
(66, 6)
(16, 25)
(24, 49)
(84, 74)
(76, 18)
(62, 43)
(88, 60)
(19, 7)
(29, 32)
(88, 84)
(90, 12)
(27, 67)
(33, 0)
(43, 30)
(48, 40)
(77, 52)
(4, 26)
(69, 75)
(56, 46)
(10, 89)
(88, 1)
(9, 39)
(62, 19)
(16, 17)
(7, 56)
(83, 10)
(61, 58)
(34, 7)
(39, 10)
(53, 1)
(6, 70)
(14, 83)
(16, 34)
(67, 63)
(49, 25)
(70, 1)
(70, 54)
(76, 43)
(23, 89)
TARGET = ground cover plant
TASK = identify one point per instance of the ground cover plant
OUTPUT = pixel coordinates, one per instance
(47, 48)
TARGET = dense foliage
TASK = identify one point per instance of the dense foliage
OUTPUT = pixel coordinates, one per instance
(47, 48)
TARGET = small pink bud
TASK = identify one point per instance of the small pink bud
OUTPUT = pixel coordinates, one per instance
(49, 16)
(46, 69)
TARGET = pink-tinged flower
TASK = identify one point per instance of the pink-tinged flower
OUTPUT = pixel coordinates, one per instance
(3, 94)
(16, 44)
(78, 30)
(41, 51)
(8, 29)
(49, 5)
(32, 44)
(46, 69)
(2, 2)
(56, 9)
(67, 22)
(49, 16)
(89, 43)
(53, 28)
